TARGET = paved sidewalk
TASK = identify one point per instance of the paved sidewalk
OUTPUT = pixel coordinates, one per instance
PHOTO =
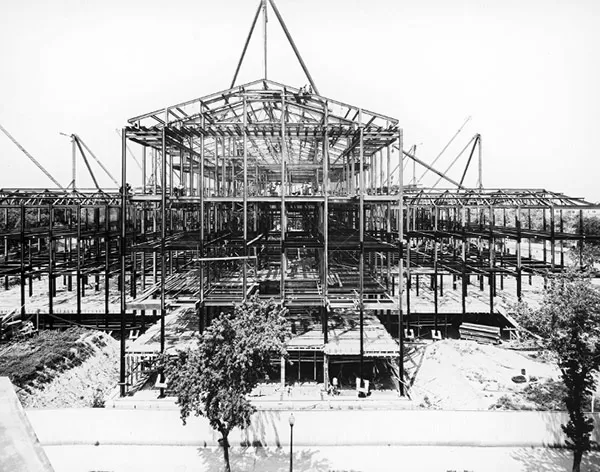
(317, 459)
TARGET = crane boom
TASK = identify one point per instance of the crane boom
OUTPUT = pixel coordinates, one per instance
(40, 166)
(82, 142)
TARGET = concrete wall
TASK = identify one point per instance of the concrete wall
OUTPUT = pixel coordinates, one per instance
(20, 450)
(323, 428)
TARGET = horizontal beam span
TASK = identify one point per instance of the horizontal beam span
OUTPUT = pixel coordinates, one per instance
(233, 258)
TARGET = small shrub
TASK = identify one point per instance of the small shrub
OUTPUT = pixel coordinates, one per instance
(511, 402)
(98, 399)
(426, 403)
(546, 395)
(506, 402)
(40, 358)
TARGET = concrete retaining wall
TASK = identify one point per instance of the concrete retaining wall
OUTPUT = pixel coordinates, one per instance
(20, 450)
(322, 428)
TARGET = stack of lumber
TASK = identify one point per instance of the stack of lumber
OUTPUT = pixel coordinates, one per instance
(480, 333)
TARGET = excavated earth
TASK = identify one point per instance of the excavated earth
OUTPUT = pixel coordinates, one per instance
(75, 368)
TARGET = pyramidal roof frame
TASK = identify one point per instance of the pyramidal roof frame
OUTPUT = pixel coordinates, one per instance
(262, 8)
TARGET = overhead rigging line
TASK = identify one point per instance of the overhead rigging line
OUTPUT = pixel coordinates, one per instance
(427, 166)
(86, 161)
(78, 138)
(237, 70)
(40, 166)
(130, 152)
(291, 41)
(456, 159)
(263, 6)
(445, 147)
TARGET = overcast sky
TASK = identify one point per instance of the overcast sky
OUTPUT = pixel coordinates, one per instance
(526, 71)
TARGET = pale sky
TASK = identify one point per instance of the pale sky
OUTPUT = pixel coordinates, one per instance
(527, 72)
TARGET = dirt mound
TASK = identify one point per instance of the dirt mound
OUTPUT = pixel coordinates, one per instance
(464, 375)
(73, 368)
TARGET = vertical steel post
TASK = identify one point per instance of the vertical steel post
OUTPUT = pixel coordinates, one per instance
(265, 21)
(325, 320)
(106, 263)
(361, 233)
(408, 276)
(163, 235)
(581, 239)
(201, 320)
(245, 197)
(388, 167)
(74, 164)
(414, 168)
(79, 256)
(22, 257)
(519, 268)
(283, 187)
(552, 239)
(171, 174)
(143, 169)
(154, 172)
(492, 261)
(133, 276)
(122, 372)
(51, 263)
(480, 159)
(400, 262)
(435, 280)
(561, 228)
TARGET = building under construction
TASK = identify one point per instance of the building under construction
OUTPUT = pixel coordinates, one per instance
(282, 192)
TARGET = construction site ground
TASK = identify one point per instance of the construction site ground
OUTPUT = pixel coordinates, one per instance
(451, 374)
(449, 299)
(83, 375)
(465, 375)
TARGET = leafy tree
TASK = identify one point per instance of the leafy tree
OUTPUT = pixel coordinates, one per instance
(569, 319)
(588, 251)
(232, 355)
(590, 226)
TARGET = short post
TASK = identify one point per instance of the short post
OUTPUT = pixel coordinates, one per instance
(292, 421)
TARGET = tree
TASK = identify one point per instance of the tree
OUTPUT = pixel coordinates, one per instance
(588, 252)
(214, 378)
(570, 322)
(589, 225)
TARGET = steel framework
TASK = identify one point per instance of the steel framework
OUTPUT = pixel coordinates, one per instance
(279, 191)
